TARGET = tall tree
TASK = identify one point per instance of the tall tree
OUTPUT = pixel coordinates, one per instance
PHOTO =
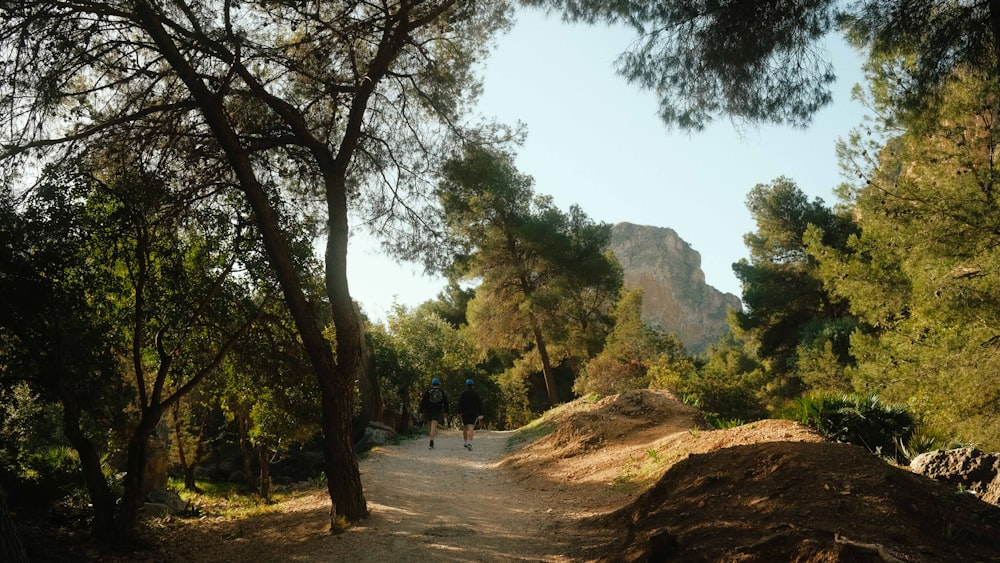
(922, 273)
(536, 265)
(784, 296)
(165, 280)
(280, 101)
(57, 344)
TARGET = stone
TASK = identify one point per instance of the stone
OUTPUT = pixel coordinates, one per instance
(968, 468)
(169, 498)
(376, 434)
(157, 461)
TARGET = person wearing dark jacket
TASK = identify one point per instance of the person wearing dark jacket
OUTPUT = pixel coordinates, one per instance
(433, 407)
(470, 406)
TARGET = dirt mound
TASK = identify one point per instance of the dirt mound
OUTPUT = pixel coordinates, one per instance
(652, 475)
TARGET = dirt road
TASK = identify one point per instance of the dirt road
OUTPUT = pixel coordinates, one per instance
(445, 504)
(448, 504)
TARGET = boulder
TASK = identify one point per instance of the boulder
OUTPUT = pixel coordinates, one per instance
(154, 475)
(968, 468)
(376, 434)
(168, 498)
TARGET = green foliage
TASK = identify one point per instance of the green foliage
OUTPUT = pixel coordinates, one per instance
(514, 405)
(926, 41)
(635, 356)
(921, 275)
(823, 355)
(789, 312)
(757, 61)
(863, 420)
(426, 347)
(546, 279)
(719, 396)
(730, 384)
(724, 423)
(766, 61)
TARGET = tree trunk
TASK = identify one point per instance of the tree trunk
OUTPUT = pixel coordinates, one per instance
(265, 474)
(547, 372)
(103, 501)
(335, 379)
(11, 548)
(133, 495)
(190, 483)
(199, 452)
(186, 469)
(246, 448)
(338, 392)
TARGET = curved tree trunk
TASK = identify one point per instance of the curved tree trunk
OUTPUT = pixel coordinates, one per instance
(103, 501)
(133, 494)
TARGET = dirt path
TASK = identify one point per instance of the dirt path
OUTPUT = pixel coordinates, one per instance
(449, 504)
(445, 504)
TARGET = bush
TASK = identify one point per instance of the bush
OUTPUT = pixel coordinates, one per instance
(859, 419)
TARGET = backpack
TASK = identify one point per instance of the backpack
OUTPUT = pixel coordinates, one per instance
(435, 398)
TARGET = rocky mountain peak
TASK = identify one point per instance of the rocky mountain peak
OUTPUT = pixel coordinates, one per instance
(675, 297)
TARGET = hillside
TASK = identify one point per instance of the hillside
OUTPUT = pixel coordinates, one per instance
(597, 481)
(676, 297)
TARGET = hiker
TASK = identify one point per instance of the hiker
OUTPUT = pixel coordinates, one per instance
(433, 407)
(470, 406)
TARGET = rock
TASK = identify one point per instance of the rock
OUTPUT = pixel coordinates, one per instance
(969, 468)
(376, 434)
(168, 498)
(381, 434)
(675, 297)
(154, 476)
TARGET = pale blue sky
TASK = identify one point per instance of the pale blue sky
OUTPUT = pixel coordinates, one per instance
(596, 141)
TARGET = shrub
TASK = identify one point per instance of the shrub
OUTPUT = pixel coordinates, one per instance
(859, 419)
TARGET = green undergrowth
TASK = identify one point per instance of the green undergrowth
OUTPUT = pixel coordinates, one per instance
(233, 502)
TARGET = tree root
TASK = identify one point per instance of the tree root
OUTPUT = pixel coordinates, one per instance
(882, 552)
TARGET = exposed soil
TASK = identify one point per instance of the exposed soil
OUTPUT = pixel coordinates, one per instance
(603, 482)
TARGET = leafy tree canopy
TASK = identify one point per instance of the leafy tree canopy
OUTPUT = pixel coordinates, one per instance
(921, 272)
(764, 61)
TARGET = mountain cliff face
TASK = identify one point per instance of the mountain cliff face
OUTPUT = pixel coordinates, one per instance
(675, 297)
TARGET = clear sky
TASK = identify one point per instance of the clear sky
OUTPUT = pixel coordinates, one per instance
(595, 141)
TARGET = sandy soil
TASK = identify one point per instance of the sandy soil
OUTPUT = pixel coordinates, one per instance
(633, 477)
